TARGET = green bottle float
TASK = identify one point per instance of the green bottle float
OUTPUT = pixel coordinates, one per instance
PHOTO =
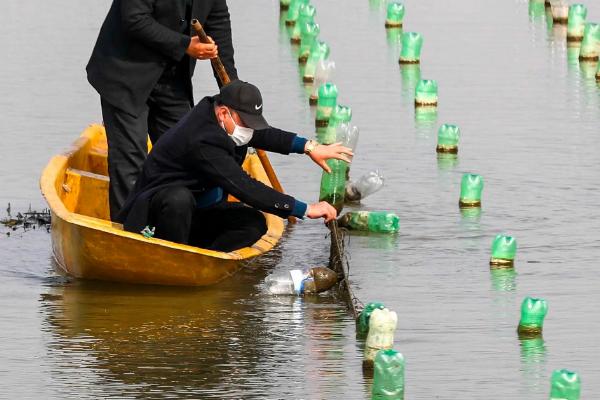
(536, 8)
(426, 93)
(340, 115)
(388, 377)
(382, 326)
(395, 15)
(565, 385)
(411, 48)
(318, 52)
(590, 43)
(333, 184)
(533, 312)
(294, 11)
(576, 23)
(504, 249)
(309, 35)
(326, 103)
(284, 5)
(560, 11)
(362, 322)
(448, 136)
(370, 221)
(471, 187)
(306, 15)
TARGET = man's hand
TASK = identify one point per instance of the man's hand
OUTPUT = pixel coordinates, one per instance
(321, 209)
(323, 152)
(202, 51)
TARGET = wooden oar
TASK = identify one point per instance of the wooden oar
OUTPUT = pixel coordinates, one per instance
(224, 78)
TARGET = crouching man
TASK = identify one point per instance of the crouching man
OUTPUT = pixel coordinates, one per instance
(182, 189)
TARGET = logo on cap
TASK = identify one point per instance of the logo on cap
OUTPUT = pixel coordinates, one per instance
(258, 107)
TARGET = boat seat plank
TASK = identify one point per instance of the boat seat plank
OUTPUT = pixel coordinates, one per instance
(86, 193)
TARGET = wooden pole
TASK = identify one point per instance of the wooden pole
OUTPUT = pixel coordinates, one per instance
(224, 77)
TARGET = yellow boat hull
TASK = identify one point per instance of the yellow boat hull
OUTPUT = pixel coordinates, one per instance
(87, 245)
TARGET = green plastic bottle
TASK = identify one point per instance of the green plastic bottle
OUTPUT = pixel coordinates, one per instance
(560, 12)
(576, 24)
(388, 377)
(362, 322)
(533, 312)
(426, 93)
(294, 11)
(306, 15)
(504, 249)
(411, 48)
(590, 43)
(284, 5)
(395, 15)
(371, 221)
(565, 385)
(326, 103)
(448, 136)
(308, 37)
(333, 185)
(471, 187)
(536, 9)
(340, 115)
(318, 52)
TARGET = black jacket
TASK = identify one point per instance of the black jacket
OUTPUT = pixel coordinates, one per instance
(198, 154)
(139, 38)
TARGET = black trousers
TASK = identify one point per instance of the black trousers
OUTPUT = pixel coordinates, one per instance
(127, 134)
(224, 227)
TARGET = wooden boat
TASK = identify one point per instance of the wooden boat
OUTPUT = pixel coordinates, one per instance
(86, 244)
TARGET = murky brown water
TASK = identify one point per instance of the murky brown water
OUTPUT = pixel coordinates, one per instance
(529, 118)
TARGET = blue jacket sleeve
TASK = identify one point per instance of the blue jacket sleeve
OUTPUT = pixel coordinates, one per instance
(220, 167)
(273, 139)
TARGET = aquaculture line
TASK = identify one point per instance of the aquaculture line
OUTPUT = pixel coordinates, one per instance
(375, 323)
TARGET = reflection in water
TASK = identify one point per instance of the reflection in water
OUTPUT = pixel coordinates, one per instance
(504, 280)
(394, 39)
(411, 75)
(470, 218)
(588, 70)
(533, 362)
(573, 54)
(377, 4)
(195, 340)
(447, 161)
(425, 120)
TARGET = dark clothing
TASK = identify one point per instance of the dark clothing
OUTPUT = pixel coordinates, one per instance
(140, 69)
(224, 227)
(141, 38)
(199, 155)
(128, 140)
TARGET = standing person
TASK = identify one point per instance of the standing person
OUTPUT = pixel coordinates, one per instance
(141, 66)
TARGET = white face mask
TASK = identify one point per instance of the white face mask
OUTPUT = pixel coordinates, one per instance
(241, 135)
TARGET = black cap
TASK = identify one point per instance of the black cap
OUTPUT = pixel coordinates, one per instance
(246, 100)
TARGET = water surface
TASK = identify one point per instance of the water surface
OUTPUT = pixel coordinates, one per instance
(529, 116)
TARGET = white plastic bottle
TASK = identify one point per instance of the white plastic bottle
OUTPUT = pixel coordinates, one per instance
(365, 186)
(286, 283)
